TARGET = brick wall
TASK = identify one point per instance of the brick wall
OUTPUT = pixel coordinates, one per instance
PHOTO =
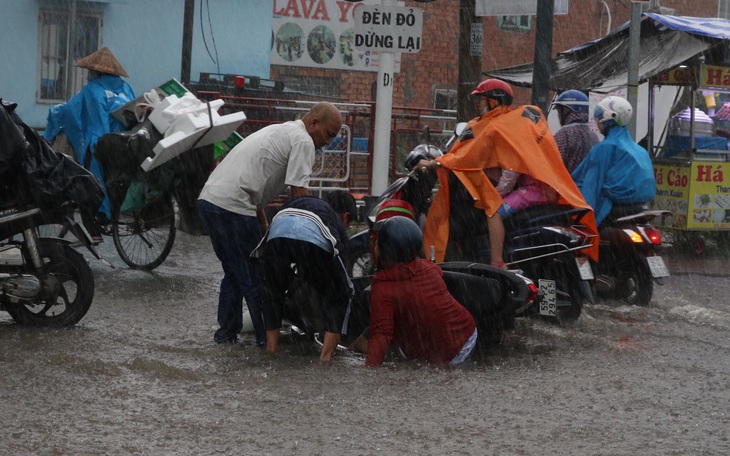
(437, 64)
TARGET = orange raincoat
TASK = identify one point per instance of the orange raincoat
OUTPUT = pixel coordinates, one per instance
(516, 139)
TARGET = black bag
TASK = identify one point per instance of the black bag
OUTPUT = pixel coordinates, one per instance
(52, 178)
(12, 141)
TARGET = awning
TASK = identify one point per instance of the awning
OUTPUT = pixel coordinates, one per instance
(601, 65)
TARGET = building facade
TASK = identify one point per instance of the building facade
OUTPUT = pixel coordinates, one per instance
(266, 39)
(429, 78)
(43, 38)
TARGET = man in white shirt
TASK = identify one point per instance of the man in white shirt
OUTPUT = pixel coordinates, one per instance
(233, 199)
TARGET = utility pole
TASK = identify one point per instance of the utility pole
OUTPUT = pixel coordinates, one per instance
(71, 52)
(632, 84)
(543, 54)
(187, 42)
(470, 61)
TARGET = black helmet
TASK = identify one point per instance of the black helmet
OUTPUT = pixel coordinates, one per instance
(422, 152)
(399, 240)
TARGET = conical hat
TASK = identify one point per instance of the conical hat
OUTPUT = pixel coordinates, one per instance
(102, 61)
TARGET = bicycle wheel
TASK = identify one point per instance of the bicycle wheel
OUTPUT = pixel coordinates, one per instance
(144, 238)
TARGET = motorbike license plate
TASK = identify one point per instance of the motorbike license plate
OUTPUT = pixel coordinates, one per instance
(549, 303)
(584, 268)
(657, 266)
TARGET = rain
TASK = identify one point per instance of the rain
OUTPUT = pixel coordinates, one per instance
(600, 366)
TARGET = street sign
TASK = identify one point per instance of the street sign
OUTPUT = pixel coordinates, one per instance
(388, 29)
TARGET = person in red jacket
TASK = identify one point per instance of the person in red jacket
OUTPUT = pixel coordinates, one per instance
(411, 310)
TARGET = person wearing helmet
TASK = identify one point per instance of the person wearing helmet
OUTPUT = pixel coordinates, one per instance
(310, 233)
(616, 170)
(465, 220)
(86, 117)
(411, 309)
(389, 208)
(575, 137)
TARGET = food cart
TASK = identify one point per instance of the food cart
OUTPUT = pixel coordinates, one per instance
(681, 59)
(691, 165)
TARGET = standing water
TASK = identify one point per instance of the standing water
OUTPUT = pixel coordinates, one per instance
(141, 375)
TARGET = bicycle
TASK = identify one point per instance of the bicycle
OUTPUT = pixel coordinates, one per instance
(147, 208)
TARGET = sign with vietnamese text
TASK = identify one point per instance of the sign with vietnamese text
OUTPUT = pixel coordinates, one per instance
(675, 76)
(388, 29)
(319, 34)
(672, 194)
(714, 77)
(697, 195)
(709, 203)
(476, 39)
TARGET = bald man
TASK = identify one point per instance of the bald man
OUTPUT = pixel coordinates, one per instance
(232, 202)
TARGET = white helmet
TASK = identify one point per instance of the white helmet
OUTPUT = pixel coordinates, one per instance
(613, 108)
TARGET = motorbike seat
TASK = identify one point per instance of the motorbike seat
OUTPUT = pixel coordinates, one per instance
(544, 214)
(622, 210)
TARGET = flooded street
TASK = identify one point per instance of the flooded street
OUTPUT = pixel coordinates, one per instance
(141, 375)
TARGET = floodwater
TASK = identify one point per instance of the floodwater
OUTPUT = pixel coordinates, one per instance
(141, 375)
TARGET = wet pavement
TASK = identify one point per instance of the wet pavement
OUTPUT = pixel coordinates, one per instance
(140, 375)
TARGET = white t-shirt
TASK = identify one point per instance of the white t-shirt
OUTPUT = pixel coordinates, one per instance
(260, 167)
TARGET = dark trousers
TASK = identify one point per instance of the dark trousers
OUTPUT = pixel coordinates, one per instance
(234, 236)
(315, 268)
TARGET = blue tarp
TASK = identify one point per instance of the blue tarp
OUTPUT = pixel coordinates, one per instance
(712, 27)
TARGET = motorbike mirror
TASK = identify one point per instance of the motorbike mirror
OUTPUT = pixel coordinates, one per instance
(426, 134)
(459, 128)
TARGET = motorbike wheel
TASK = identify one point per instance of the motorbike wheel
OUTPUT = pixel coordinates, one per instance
(69, 289)
(360, 263)
(144, 238)
(637, 283)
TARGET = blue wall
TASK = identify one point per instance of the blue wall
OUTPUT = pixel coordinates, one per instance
(146, 37)
(18, 53)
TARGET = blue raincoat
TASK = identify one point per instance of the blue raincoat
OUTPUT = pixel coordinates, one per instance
(616, 170)
(86, 117)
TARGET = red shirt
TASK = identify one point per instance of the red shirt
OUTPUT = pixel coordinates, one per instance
(411, 307)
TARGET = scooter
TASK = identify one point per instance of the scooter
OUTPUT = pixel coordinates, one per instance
(43, 281)
(629, 261)
(492, 295)
(542, 242)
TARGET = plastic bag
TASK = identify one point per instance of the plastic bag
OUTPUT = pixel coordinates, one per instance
(53, 177)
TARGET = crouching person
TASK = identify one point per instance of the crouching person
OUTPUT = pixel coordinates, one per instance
(410, 306)
(307, 241)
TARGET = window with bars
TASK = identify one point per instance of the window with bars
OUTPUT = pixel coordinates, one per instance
(444, 98)
(63, 41)
(514, 23)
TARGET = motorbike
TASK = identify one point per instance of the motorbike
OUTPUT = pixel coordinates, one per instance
(629, 261)
(44, 281)
(493, 296)
(543, 243)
